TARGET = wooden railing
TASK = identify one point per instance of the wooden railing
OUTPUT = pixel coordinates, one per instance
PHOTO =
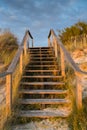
(18, 59)
(54, 41)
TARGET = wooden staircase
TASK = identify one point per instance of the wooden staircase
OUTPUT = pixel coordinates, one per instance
(42, 86)
(42, 92)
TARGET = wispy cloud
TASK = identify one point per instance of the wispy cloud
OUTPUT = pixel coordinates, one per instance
(40, 15)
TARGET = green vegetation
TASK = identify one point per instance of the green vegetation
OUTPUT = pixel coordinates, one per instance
(8, 47)
(77, 29)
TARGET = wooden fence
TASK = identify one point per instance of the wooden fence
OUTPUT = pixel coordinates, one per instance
(77, 42)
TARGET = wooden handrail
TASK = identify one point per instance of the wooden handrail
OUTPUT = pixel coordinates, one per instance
(8, 73)
(66, 53)
(66, 56)
(30, 34)
(27, 33)
(16, 58)
(3, 74)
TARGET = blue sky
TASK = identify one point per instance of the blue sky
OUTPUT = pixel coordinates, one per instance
(40, 15)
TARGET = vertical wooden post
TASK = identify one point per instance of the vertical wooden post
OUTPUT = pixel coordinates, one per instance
(8, 94)
(28, 44)
(62, 62)
(84, 39)
(49, 42)
(21, 63)
(78, 91)
(25, 48)
(32, 43)
(55, 48)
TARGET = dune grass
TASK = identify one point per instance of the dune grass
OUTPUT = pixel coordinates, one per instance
(8, 47)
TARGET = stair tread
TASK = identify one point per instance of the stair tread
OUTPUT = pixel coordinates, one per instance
(42, 70)
(43, 113)
(47, 54)
(42, 76)
(42, 61)
(42, 65)
(44, 101)
(41, 58)
(26, 91)
(42, 83)
(41, 55)
(40, 48)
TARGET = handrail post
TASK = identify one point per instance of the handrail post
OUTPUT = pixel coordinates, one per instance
(21, 63)
(55, 48)
(62, 63)
(25, 48)
(8, 94)
(49, 45)
(84, 39)
(32, 43)
(78, 91)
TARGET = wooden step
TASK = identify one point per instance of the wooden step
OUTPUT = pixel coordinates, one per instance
(41, 49)
(42, 62)
(42, 67)
(42, 76)
(42, 70)
(34, 65)
(44, 101)
(42, 113)
(27, 91)
(41, 55)
(42, 58)
(31, 48)
(42, 83)
(41, 52)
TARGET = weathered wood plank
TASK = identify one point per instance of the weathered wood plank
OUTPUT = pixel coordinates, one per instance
(43, 114)
(42, 70)
(43, 101)
(21, 63)
(62, 62)
(42, 58)
(42, 76)
(4, 74)
(24, 91)
(42, 83)
(15, 60)
(8, 94)
(34, 65)
(42, 62)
